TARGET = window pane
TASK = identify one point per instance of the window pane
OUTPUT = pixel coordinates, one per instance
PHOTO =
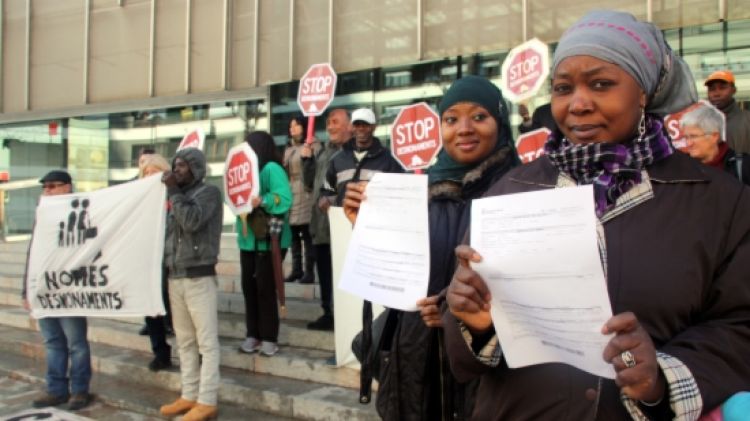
(118, 66)
(675, 13)
(169, 72)
(29, 150)
(373, 34)
(273, 57)
(464, 27)
(57, 43)
(207, 30)
(548, 19)
(243, 44)
(310, 35)
(14, 49)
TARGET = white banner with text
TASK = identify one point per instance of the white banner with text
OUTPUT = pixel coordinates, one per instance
(99, 253)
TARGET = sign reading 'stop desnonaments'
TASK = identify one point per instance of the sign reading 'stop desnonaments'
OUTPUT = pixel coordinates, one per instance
(241, 178)
(316, 89)
(525, 70)
(415, 136)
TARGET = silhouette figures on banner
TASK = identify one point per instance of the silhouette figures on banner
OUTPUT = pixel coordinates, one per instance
(79, 228)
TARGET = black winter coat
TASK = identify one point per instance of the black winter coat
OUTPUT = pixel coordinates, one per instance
(415, 378)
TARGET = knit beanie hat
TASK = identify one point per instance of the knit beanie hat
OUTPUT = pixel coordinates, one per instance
(477, 90)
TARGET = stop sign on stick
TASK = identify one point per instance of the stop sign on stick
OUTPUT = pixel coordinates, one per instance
(415, 136)
(524, 70)
(193, 139)
(531, 144)
(316, 89)
(241, 180)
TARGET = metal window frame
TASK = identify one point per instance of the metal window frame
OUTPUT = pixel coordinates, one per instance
(188, 41)
(27, 60)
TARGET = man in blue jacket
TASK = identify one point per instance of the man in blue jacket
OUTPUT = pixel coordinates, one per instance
(191, 251)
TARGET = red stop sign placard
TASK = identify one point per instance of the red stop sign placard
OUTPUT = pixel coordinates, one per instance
(316, 89)
(531, 144)
(241, 180)
(415, 136)
(525, 70)
(193, 139)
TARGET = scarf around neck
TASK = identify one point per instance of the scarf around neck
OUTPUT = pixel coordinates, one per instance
(613, 168)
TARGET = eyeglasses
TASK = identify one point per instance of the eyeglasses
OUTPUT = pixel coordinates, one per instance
(50, 186)
(693, 137)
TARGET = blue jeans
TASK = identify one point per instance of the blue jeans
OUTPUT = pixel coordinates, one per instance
(65, 337)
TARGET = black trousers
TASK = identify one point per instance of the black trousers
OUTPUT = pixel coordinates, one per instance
(259, 290)
(325, 276)
(157, 331)
(300, 236)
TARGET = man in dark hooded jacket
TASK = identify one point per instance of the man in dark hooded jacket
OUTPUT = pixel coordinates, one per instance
(191, 251)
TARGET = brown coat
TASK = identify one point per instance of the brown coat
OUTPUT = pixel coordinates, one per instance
(302, 202)
(680, 262)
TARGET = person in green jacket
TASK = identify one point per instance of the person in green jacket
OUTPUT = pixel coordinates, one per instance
(256, 263)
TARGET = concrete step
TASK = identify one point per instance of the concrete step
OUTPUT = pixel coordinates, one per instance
(11, 297)
(228, 242)
(227, 284)
(12, 258)
(229, 302)
(115, 399)
(12, 282)
(14, 247)
(15, 269)
(258, 392)
(301, 356)
(232, 283)
(232, 326)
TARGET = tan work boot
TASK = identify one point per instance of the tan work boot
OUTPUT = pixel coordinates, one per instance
(201, 412)
(180, 406)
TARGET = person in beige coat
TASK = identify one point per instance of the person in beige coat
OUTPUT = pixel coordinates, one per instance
(301, 211)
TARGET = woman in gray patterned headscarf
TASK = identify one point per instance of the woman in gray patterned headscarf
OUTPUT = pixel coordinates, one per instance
(674, 241)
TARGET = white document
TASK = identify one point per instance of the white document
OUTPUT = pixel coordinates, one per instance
(540, 260)
(388, 261)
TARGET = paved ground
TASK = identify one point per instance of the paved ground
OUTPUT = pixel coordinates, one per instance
(15, 402)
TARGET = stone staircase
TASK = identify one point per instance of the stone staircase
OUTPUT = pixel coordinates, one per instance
(294, 384)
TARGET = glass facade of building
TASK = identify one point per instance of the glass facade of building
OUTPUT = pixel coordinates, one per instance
(86, 84)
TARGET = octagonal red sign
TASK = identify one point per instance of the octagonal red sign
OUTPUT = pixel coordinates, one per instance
(525, 70)
(415, 136)
(531, 145)
(193, 139)
(241, 180)
(316, 89)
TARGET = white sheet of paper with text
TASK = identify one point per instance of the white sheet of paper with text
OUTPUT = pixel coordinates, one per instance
(540, 260)
(388, 261)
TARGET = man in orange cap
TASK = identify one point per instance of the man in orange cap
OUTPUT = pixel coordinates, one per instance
(721, 92)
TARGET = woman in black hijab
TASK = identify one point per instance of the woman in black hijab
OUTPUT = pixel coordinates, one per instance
(415, 382)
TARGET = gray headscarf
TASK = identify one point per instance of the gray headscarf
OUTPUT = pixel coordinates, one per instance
(639, 49)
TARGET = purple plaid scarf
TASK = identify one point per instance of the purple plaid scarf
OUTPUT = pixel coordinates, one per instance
(613, 168)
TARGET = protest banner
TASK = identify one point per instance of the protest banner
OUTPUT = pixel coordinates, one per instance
(99, 253)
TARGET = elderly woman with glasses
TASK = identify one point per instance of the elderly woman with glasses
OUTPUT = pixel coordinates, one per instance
(703, 128)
